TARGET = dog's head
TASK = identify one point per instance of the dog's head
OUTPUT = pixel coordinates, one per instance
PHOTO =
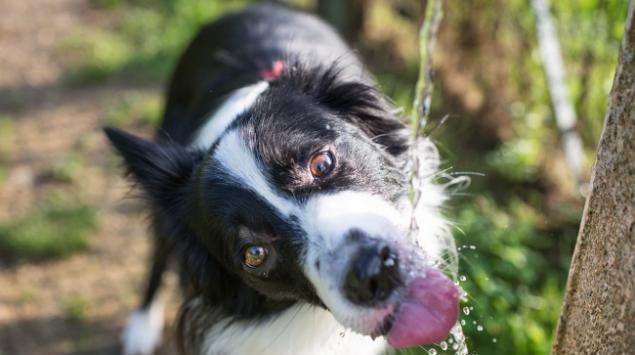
(303, 197)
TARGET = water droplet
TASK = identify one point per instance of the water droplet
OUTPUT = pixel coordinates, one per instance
(443, 345)
(459, 346)
(466, 310)
(479, 328)
(474, 322)
(471, 308)
(462, 321)
(462, 278)
(494, 340)
(473, 247)
(342, 334)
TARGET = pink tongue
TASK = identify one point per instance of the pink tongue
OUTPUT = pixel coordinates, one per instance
(428, 313)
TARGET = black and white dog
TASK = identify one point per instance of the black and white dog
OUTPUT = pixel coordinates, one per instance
(278, 182)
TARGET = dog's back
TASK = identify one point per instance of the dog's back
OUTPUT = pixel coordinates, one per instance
(234, 51)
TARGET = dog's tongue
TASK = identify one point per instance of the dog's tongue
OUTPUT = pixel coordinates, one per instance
(428, 313)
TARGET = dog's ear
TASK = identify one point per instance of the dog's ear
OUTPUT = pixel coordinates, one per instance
(162, 169)
(363, 105)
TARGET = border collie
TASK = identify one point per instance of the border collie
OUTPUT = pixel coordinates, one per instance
(278, 182)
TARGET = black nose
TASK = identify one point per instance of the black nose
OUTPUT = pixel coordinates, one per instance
(373, 275)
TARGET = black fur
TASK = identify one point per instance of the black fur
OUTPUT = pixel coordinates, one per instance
(198, 210)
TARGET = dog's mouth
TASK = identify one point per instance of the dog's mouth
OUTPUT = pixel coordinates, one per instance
(426, 313)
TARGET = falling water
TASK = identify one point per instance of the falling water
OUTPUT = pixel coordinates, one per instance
(424, 155)
(458, 344)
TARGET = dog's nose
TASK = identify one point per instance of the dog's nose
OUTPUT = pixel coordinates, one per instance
(373, 274)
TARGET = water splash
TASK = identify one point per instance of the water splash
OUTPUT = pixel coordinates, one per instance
(459, 345)
(443, 345)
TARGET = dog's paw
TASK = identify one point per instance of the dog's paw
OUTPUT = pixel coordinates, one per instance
(142, 334)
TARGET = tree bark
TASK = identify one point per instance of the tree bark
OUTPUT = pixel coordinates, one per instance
(598, 313)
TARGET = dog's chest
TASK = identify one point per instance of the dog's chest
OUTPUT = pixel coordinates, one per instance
(300, 330)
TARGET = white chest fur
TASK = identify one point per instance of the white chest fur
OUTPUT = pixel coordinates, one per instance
(300, 330)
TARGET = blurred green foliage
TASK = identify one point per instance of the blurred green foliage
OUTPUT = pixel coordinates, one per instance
(514, 274)
(76, 308)
(146, 40)
(516, 228)
(55, 229)
(6, 136)
(139, 107)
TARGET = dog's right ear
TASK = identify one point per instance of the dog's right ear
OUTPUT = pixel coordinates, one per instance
(162, 169)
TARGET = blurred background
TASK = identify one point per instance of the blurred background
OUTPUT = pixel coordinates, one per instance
(73, 241)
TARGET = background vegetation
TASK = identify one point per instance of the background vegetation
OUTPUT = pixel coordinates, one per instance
(492, 117)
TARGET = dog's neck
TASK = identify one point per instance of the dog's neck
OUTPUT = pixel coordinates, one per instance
(302, 329)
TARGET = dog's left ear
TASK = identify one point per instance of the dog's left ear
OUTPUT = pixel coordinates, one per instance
(162, 169)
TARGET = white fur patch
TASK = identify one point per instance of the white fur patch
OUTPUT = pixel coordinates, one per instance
(327, 220)
(143, 331)
(434, 236)
(329, 217)
(300, 330)
(238, 102)
(239, 161)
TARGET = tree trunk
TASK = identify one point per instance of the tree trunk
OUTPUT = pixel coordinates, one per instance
(598, 313)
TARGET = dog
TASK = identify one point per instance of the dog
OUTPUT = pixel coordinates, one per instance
(278, 182)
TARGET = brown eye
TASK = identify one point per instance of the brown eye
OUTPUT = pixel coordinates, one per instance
(255, 255)
(321, 164)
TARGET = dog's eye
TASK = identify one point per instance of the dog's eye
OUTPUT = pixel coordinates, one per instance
(321, 163)
(254, 256)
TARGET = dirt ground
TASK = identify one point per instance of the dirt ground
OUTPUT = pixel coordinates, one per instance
(76, 305)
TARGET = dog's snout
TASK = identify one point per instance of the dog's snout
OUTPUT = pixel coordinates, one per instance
(373, 274)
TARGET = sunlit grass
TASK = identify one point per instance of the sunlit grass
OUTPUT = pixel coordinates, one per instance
(140, 107)
(146, 41)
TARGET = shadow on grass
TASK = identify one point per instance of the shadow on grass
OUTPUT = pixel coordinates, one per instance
(60, 335)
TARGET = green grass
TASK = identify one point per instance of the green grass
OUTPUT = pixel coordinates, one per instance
(98, 55)
(51, 231)
(140, 107)
(67, 169)
(146, 42)
(6, 134)
(76, 308)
